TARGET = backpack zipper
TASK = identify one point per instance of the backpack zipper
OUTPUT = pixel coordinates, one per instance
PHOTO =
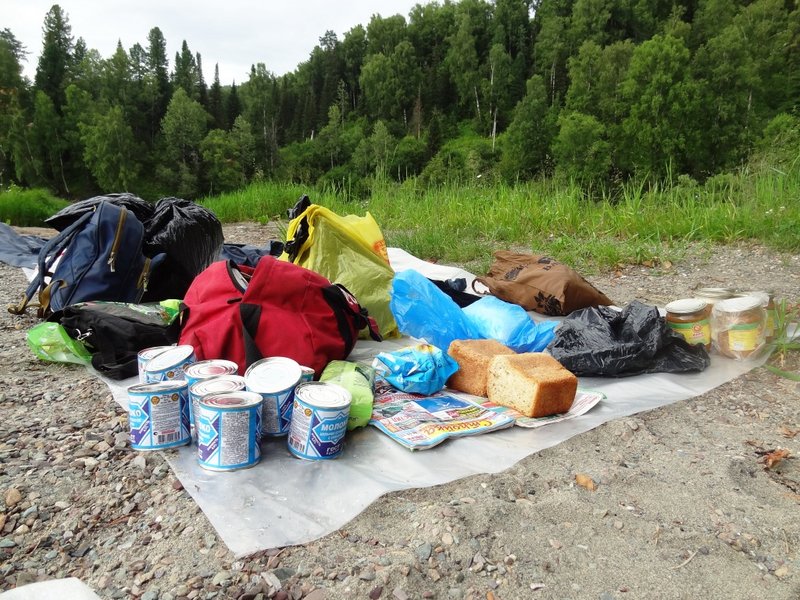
(112, 257)
(144, 277)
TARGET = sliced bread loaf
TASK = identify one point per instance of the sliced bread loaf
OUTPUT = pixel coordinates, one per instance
(534, 384)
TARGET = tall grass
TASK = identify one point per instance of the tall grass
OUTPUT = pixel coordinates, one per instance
(641, 223)
(28, 208)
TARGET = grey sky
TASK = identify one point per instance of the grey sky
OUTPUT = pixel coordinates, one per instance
(232, 33)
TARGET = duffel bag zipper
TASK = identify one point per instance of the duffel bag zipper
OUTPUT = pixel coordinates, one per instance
(112, 257)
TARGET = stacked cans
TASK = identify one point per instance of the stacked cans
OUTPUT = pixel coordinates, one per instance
(180, 399)
(159, 407)
(202, 371)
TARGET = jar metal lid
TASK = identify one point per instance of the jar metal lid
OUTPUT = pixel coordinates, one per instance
(717, 293)
(761, 295)
(686, 306)
(739, 304)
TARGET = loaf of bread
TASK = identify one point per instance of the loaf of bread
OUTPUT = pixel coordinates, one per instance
(533, 383)
(473, 358)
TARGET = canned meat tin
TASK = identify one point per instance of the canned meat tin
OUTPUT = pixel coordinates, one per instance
(169, 364)
(158, 414)
(229, 431)
(319, 420)
(274, 378)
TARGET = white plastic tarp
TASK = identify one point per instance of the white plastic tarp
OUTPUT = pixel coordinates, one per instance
(285, 501)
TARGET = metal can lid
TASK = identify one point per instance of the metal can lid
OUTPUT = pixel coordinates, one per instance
(739, 304)
(169, 358)
(761, 295)
(217, 385)
(686, 306)
(716, 293)
(231, 400)
(152, 351)
(322, 394)
(210, 368)
(272, 375)
(157, 388)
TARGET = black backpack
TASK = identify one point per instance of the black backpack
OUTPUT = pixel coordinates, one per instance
(115, 332)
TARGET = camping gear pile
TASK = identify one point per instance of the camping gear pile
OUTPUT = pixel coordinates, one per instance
(124, 276)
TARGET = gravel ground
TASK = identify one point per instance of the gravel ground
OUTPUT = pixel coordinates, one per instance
(684, 505)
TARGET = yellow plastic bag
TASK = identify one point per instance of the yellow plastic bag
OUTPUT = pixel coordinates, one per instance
(348, 250)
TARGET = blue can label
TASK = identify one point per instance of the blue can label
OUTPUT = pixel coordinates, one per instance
(159, 419)
(228, 439)
(317, 432)
(277, 412)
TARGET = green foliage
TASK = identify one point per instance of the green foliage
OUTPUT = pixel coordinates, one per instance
(660, 93)
(466, 159)
(779, 146)
(110, 151)
(408, 158)
(184, 127)
(598, 90)
(580, 149)
(526, 143)
(28, 208)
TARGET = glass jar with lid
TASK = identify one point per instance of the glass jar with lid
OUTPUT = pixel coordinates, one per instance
(738, 326)
(768, 302)
(714, 294)
(690, 318)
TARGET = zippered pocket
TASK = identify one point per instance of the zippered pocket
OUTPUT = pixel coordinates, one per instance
(144, 278)
(112, 257)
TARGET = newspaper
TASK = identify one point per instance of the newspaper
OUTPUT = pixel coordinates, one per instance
(584, 401)
(420, 422)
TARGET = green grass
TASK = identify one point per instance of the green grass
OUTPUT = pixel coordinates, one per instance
(649, 224)
(28, 208)
(640, 224)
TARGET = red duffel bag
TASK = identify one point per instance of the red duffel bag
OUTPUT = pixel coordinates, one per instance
(243, 314)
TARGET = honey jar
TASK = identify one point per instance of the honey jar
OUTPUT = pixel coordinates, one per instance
(690, 318)
(738, 326)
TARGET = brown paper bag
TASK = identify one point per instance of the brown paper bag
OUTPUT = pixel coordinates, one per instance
(540, 283)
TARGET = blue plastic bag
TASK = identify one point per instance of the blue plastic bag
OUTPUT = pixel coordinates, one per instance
(509, 324)
(423, 311)
(419, 369)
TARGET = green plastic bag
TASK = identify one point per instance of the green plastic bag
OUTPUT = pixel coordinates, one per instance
(50, 341)
(357, 379)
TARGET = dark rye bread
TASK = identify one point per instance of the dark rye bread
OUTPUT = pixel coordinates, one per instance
(473, 357)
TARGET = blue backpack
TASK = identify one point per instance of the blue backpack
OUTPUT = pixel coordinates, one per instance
(98, 257)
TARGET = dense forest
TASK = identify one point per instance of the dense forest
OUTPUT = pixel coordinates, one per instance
(598, 91)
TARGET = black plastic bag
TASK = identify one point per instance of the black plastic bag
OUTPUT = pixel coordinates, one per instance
(69, 214)
(191, 237)
(603, 341)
